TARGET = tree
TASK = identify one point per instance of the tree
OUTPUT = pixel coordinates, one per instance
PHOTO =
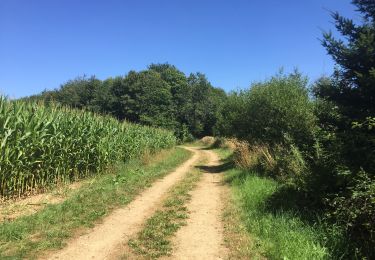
(353, 84)
(79, 92)
(161, 96)
(181, 94)
(277, 111)
(203, 110)
(155, 100)
(347, 136)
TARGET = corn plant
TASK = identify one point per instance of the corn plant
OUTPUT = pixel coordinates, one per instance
(43, 145)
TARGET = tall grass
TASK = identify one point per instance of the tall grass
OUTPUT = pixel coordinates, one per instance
(268, 209)
(281, 234)
(42, 145)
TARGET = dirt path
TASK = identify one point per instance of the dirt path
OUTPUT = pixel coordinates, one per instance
(105, 239)
(202, 237)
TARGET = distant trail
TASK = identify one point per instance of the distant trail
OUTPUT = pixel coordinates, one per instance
(202, 237)
(105, 239)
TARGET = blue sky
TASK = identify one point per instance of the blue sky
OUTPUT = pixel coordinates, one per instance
(44, 43)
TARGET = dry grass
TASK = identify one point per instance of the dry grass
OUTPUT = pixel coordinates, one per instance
(148, 157)
(225, 143)
(244, 158)
(12, 209)
(248, 156)
(208, 140)
(230, 143)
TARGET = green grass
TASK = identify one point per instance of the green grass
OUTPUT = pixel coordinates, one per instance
(274, 233)
(28, 236)
(154, 240)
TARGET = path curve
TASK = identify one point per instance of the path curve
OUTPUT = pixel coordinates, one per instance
(105, 238)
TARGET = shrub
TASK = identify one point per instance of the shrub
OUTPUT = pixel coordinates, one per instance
(208, 140)
(354, 209)
(243, 158)
(277, 162)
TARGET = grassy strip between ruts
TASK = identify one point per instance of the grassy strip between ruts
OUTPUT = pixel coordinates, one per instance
(154, 240)
(27, 237)
(273, 233)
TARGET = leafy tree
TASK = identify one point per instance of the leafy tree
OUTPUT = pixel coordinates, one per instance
(230, 117)
(181, 94)
(155, 100)
(204, 105)
(159, 96)
(79, 92)
(277, 111)
(124, 95)
(102, 98)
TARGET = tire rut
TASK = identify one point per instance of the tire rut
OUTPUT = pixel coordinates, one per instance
(202, 237)
(103, 241)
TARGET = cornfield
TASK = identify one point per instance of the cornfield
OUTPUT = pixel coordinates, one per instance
(43, 145)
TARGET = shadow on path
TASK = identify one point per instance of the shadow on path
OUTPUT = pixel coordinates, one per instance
(215, 169)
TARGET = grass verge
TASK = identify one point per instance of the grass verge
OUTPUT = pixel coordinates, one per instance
(154, 240)
(236, 237)
(29, 236)
(272, 233)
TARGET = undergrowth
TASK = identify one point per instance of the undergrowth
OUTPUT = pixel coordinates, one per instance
(277, 231)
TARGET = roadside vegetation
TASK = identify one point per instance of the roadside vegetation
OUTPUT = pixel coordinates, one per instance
(307, 154)
(29, 236)
(154, 241)
(270, 231)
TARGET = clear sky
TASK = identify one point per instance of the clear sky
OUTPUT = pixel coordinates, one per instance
(44, 43)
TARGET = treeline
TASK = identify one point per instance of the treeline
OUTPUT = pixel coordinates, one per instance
(319, 141)
(160, 96)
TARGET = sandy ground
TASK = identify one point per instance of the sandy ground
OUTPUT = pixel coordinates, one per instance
(12, 209)
(105, 239)
(202, 237)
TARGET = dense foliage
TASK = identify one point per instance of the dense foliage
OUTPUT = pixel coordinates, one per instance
(322, 147)
(44, 145)
(277, 118)
(160, 96)
(259, 113)
(349, 135)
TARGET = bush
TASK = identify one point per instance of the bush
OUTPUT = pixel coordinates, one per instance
(221, 142)
(208, 140)
(275, 112)
(354, 209)
(311, 146)
(243, 156)
(277, 162)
